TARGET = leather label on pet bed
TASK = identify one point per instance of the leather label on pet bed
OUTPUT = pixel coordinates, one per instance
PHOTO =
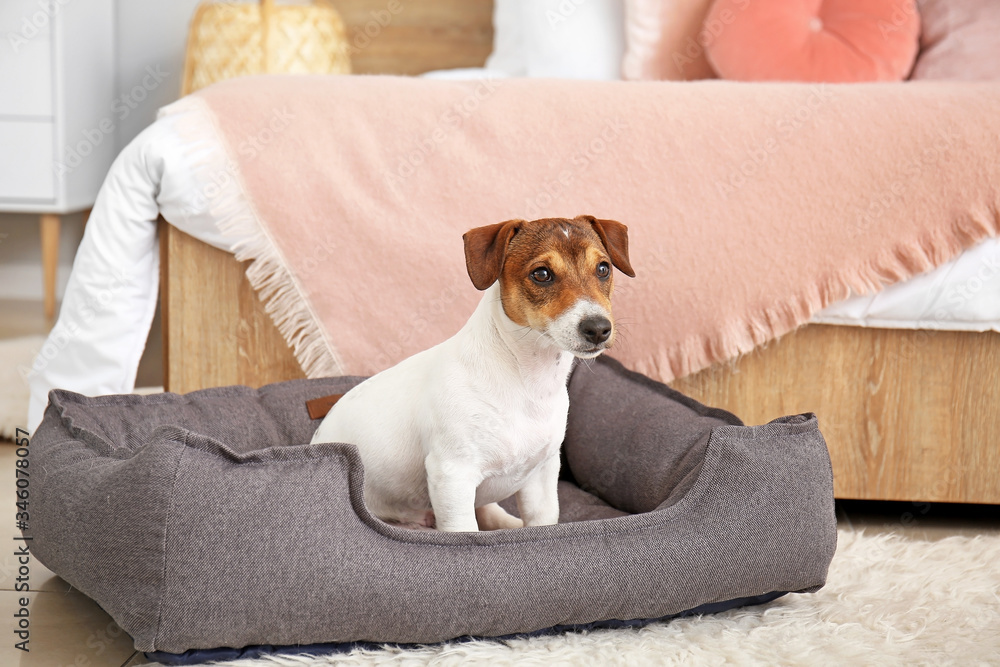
(318, 407)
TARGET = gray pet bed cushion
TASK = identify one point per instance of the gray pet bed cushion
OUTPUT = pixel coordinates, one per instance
(197, 521)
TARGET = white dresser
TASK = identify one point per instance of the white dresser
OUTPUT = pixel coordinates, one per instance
(58, 111)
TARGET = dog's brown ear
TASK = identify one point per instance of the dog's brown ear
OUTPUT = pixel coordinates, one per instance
(614, 236)
(485, 249)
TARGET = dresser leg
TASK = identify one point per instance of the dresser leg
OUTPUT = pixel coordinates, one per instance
(50, 261)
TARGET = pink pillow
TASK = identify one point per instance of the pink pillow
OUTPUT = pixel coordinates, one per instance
(665, 39)
(814, 40)
(960, 40)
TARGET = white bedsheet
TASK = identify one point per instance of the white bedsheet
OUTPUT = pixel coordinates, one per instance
(108, 306)
(97, 341)
(961, 295)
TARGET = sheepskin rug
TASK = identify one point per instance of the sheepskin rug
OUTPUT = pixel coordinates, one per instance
(889, 600)
(16, 357)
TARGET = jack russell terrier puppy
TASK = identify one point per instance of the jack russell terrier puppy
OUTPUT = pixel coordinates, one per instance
(447, 433)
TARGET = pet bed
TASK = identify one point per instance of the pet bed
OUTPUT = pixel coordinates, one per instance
(197, 522)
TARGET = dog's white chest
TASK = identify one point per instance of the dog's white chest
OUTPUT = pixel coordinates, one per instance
(502, 419)
(514, 441)
(527, 434)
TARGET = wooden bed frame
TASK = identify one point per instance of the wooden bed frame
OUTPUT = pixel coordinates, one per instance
(908, 415)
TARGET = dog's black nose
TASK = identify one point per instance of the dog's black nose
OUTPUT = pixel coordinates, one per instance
(596, 329)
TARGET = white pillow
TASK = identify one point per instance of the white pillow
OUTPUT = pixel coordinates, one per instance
(572, 39)
(508, 39)
(464, 74)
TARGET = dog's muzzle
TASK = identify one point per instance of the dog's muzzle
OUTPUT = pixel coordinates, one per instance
(585, 330)
(595, 329)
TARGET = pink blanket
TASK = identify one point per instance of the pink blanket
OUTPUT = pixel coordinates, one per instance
(749, 206)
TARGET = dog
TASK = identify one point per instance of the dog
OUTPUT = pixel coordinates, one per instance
(449, 432)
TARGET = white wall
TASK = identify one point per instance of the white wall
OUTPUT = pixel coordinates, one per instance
(21, 256)
(150, 34)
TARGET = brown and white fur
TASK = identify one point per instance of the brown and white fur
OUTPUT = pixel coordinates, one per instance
(447, 433)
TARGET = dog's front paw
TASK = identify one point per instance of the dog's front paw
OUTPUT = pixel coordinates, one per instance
(543, 521)
(458, 526)
(494, 517)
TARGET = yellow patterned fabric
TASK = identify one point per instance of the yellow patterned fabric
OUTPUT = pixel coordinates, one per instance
(229, 39)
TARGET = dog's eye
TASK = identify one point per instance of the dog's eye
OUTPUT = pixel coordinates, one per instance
(603, 270)
(542, 275)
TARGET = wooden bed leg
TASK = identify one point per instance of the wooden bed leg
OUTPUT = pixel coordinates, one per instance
(215, 329)
(50, 226)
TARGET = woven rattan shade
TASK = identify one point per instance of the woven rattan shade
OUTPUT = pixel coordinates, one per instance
(230, 39)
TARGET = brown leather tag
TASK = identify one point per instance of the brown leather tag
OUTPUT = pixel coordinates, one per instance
(318, 407)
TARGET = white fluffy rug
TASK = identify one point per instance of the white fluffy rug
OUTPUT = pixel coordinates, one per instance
(888, 600)
(16, 357)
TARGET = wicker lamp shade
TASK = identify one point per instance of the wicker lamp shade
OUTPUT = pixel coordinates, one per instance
(230, 39)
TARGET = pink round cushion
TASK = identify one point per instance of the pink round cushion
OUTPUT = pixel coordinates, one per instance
(839, 41)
